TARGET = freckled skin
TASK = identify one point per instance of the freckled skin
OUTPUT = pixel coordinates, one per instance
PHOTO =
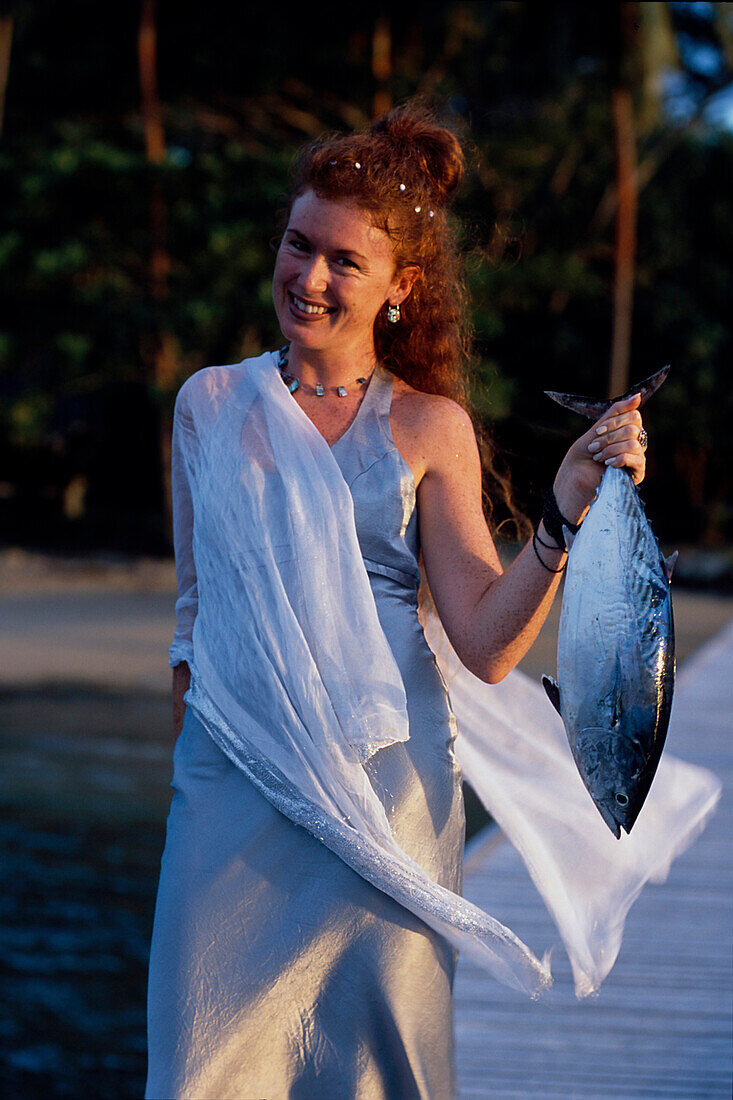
(331, 255)
(491, 617)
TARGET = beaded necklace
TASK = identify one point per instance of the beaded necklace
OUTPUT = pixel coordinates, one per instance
(293, 383)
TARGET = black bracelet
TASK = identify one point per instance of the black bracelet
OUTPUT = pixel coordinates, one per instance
(554, 520)
(547, 545)
(539, 559)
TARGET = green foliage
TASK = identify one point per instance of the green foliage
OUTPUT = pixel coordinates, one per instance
(27, 418)
(528, 85)
(75, 244)
(540, 277)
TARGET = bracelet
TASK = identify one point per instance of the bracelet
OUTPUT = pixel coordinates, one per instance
(535, 539)
(554, 520)
(547, 545)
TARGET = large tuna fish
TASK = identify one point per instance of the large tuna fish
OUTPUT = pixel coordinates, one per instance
(615, 655)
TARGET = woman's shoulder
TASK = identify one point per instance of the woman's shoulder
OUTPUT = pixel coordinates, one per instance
(432, 432)
(429, 415)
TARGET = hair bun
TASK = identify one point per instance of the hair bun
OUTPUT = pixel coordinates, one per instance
(430, 152)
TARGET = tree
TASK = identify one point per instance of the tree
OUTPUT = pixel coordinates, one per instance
(160, 348)
(6, 39)
(135, 236)
(627, 196)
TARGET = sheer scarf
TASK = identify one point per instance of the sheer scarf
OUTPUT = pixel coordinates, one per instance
(293, 678)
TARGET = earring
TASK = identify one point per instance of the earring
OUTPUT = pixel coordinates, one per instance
(393, 314)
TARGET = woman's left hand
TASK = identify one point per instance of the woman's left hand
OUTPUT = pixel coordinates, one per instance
(611, 441)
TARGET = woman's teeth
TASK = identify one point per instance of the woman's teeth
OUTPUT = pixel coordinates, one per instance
(306, 307)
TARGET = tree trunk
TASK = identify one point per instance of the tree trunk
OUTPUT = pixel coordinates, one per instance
(381, 66)
(162, 357)
(6, 39)
(625, 248)
(626, 208)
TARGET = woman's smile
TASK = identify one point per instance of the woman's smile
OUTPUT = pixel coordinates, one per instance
(334, 272)
(303, 309)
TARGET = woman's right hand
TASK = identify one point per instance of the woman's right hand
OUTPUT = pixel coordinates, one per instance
(181, 682)
(612, 440)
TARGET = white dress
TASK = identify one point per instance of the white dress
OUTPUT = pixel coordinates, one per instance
(276, 970)
(309, 912)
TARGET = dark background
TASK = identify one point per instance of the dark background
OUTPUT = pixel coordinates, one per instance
(139, 195)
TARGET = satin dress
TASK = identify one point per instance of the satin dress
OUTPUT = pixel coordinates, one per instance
(277, 971)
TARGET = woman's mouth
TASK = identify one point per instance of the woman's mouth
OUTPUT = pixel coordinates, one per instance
(300, 307)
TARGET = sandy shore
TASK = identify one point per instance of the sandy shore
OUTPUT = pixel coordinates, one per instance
(106, 624)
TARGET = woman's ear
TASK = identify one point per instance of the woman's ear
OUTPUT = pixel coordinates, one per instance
(403, 283)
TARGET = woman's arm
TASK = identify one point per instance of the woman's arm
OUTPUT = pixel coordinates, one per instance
(181, 682)
(183, 450)
(492, 617)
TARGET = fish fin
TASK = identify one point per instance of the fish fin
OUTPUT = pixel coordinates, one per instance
(553, 692)
(647, 388)
(611, 702)
(593, 409)
(585, 406)
(669, 564)
(569, 537)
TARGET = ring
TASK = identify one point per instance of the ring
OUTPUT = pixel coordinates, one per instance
(643, 439)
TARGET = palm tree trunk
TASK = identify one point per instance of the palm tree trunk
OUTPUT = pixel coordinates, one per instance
(627, 202)
(162, 357)
(6, 39)
(382, 65)
(625, 247)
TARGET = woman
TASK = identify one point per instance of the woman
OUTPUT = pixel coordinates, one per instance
(308, 913)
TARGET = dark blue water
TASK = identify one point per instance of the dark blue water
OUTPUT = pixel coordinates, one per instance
(82, 820)
(83, 802)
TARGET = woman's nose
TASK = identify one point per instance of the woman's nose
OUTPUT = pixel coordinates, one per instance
(314, 275)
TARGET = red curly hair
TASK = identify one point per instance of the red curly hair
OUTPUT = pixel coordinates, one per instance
(404, 169)
(408, 168)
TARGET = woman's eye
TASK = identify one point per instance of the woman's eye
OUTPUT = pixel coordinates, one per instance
(345, 262)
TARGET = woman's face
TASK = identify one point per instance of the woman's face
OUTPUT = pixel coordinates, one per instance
(334, 272)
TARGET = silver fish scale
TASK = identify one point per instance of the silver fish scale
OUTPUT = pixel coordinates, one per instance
(616, 641)
(615, 579)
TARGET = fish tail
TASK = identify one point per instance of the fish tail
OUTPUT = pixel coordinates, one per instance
(588, 406)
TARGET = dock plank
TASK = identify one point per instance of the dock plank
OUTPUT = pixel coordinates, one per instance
(662, 1024)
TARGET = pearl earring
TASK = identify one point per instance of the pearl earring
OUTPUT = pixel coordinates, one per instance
(393, 314)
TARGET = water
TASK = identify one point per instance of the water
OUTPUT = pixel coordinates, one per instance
(82, 823)
(83, 803)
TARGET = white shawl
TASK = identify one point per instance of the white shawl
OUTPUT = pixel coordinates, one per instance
(293, 678)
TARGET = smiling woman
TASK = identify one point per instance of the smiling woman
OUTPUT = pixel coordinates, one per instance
(400, 177)
(309, 911)
(335, 270)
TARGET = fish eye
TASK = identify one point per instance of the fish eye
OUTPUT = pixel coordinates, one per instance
(622, 799)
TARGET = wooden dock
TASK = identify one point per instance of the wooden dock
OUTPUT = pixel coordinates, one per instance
(661, 1026)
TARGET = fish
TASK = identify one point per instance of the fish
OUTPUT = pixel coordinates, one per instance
(615, 653)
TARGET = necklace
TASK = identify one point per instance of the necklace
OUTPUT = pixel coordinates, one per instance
(293, 383)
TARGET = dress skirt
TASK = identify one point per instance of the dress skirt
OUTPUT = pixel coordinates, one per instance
(277, 971)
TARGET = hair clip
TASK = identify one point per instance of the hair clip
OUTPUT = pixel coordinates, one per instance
(431, 213)
(418, 209)
(333, 162)
(402, 187)
(357, 164)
